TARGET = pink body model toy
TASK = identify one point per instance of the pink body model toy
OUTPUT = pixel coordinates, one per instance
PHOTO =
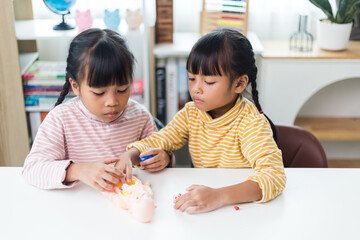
(136, 197)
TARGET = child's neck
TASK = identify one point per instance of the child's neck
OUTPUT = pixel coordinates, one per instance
(216, 113)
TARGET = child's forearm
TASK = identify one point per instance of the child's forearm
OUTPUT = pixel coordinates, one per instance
(247, 191)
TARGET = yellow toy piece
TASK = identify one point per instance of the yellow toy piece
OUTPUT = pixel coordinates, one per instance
(130, 183)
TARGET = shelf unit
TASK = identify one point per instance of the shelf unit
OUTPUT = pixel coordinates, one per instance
(18, 51)
(14, 140)
(184, 41)
(331, 129)
(288, 79)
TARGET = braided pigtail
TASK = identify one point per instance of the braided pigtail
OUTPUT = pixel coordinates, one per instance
(64, 92)
(255, 97)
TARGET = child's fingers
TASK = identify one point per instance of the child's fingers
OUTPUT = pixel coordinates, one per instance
(110, 161)
(128, 173)
(196, 209)
(114, 171)
(155, 166)
(186, 204)
(111, 179)
(105, 185)
(193, 187)
(150, 151)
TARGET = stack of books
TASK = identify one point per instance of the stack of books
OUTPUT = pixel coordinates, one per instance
(43, 83)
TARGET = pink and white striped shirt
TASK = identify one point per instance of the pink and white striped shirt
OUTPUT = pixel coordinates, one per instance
(71, 133)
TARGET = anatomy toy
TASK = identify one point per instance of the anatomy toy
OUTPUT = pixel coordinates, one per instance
(136, 197)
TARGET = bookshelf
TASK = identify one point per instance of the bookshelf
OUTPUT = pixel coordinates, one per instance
(14, 140)
(19, 50)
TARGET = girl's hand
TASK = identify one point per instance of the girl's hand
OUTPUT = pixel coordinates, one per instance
(159, 160)
(124, 165)
(99, 175)
(199, 199)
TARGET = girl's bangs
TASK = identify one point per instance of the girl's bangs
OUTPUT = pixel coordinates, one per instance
(108, 65)
(207, 58)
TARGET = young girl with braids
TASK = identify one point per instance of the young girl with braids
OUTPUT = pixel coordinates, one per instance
(81, 139)
(222, 127)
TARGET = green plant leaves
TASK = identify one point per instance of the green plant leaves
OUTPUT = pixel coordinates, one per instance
(347, 10)
(325, 6)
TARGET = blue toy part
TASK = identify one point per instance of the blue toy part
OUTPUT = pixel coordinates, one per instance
(145, 158)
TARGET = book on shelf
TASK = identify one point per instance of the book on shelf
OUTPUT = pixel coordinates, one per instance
(34, 121)
(172, 100)
(137, 90)
(45, 70)
(183, 87)
(42, 101)
(160, 79)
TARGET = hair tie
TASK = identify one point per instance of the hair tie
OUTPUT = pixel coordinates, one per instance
(261, 111)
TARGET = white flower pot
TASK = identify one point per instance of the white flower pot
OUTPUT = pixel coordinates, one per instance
(333, 36)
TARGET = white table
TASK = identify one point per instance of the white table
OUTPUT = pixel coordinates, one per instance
(316, 204)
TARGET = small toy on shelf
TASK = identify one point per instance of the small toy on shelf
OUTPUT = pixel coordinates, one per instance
(224, 14)
(136, 197)
(112, 19)
(83, 20)
(134, 19)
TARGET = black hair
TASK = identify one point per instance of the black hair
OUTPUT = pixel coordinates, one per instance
(226, 51)
(102, 56)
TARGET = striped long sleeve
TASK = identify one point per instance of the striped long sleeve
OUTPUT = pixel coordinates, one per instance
(242, 137)
(70, 133)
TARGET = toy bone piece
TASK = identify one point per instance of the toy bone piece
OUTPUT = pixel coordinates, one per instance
(136, 197)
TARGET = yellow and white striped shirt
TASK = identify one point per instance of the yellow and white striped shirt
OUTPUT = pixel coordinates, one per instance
(242, 137)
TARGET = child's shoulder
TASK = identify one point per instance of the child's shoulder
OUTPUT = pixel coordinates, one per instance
(66, 108)
(250, 111)
(135, 110)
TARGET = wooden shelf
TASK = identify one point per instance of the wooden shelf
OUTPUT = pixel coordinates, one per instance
(184, 41)
(323, 128)
(26, 59)
(43, 29)
(280, 50)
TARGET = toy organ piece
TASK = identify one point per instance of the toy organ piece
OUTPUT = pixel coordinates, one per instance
(136, 197)
(134, 19)
(164, 21)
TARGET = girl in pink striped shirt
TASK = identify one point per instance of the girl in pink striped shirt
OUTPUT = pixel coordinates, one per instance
(81, 139)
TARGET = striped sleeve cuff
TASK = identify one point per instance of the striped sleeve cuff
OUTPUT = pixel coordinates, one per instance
(269, 190)
(139, 145)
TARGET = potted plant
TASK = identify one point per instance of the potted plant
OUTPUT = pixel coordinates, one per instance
(334, 32)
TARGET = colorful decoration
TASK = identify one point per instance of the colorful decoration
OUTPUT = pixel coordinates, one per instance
(112, 19)
(83, 20)
(134, 19)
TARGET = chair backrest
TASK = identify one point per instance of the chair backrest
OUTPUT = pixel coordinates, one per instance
(300, 148)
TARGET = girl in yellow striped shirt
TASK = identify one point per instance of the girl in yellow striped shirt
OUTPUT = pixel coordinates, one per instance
(222, 127)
